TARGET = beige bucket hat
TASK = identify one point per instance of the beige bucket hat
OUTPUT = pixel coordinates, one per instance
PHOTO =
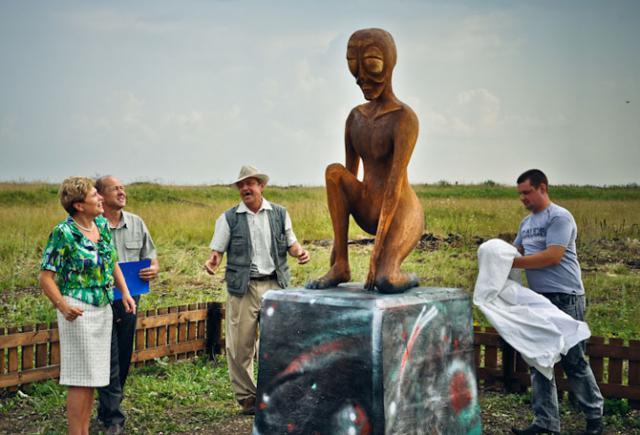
(249, 171)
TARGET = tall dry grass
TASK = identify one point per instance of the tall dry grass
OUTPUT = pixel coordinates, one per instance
(181, 220)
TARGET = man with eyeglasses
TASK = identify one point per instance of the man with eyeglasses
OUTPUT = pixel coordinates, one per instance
(133, 243)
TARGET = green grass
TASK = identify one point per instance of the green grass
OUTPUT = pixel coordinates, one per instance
(193, 396)
(189, 396)
(181, 219)
(181, 396)
(490, 189)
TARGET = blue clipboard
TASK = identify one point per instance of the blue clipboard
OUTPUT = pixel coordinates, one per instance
(130, 270)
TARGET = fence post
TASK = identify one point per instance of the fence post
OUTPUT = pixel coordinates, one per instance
(615, 364)
(491, 355)
(182, 331)
(596, 363)
(140, 339)
(511, 384)
(476, 348)
(162, 330)
(2, 357)
(634, 370)
(214, 322)
(173, 333)
(14, 363)
(151, 335)
(522, 368)
(27, 351)
(202, 324)
(192, 329)
(41, 349)
(54, 349)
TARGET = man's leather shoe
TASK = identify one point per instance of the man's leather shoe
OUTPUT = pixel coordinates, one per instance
(594, 426)
(248, 406)
(532, 430)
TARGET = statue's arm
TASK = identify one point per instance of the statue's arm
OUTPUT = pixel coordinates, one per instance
(404, 140)
(352, 160)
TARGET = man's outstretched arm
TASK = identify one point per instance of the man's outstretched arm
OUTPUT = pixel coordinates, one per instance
(296, 250)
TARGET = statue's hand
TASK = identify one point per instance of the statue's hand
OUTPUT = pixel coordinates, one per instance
(371, 277)
(370, 284)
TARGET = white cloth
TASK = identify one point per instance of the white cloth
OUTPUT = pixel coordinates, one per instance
(260, 234)
(529, 322)
(85, 345)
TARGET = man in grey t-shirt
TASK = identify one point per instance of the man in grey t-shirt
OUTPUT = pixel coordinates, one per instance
(133, 243)
(547, 240)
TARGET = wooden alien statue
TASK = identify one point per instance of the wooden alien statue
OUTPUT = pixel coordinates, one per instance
(383, 133)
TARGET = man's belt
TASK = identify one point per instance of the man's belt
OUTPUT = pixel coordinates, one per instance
(273, 276)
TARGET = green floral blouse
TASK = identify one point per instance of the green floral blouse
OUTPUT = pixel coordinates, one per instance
(84, 270)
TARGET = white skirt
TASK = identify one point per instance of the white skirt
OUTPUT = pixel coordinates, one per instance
(85, 345)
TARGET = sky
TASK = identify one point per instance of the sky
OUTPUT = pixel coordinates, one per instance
(187, 92)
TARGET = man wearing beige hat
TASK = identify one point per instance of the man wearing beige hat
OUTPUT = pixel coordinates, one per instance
(256, 235)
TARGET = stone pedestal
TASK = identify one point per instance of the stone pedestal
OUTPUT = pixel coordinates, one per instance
(348, 361)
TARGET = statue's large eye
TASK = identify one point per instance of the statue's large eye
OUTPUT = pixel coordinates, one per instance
(373, 60)
(353, 65)
(373, 64)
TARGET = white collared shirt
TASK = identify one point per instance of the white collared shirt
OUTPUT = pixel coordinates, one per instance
(260, 234)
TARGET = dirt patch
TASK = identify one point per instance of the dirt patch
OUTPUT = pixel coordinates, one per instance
(237, 425)
(499, 414)
(18, 292)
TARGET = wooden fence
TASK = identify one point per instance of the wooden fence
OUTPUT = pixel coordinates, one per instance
(32, 353)
(615, 365)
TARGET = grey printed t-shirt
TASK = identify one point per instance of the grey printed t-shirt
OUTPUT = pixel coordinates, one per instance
(132, 239)
(552, 226)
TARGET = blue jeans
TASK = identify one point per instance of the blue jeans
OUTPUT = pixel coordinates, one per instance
(581, 380)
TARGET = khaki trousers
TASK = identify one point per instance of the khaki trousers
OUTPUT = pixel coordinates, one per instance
(241, 329)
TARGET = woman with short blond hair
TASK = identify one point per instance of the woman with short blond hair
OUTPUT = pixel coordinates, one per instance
(79, 267)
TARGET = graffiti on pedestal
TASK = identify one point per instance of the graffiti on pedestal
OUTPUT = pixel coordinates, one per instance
(366, 364)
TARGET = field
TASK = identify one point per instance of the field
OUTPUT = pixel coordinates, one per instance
(458, 218)
(181, 220)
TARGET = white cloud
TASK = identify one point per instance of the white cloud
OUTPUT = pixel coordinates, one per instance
(307, 79)
(487, 34)
(191, 120)
(134, 118)
(474, 112)
(479, 109)
(298, 40)
(117, 22)
(473, 38)
(479, 113)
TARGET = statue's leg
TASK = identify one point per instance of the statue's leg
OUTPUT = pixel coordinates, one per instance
(404, 233)
(343, 189)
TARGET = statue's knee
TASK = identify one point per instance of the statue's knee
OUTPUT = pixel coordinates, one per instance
(334, 171)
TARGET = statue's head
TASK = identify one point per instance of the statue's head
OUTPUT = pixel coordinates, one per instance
(371, 54)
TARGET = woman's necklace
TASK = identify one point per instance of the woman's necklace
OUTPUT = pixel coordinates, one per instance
(89, 229)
